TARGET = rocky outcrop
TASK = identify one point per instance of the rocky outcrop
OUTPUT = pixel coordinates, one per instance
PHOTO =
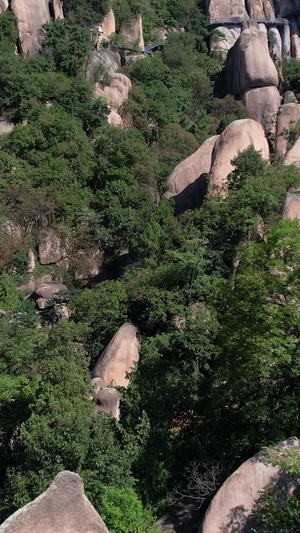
(249, 64)
(31, 261)
(118, 359)
(260, 9)
(218, 10)
(231, 507)
(3, 5)
(5, 126)
(115, 119)
(288, 117)
(108, 25)
(222, 39)
(263, 104)
(293, 155)
(62, 508)
(51, 247)
(237, 137)
(46, 291)
(187, 183)
(108, 60)
(291, 210)
(88, 263)
(57, 8)
(30, 17)
(117, 92)
(107, 401)
(132, 33)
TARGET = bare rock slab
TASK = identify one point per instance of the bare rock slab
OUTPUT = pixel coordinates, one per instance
(119, 358)
(263, 104)
(184, 182)
(63, 508)
(236, 138)
(231, 507)
(30, 16)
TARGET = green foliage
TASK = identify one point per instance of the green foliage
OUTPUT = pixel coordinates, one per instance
(67, 46)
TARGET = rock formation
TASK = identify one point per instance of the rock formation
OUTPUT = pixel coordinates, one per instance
(291, 210)
(5, 126)
(51, 247)
(187, 184)
(110, 62)
(132, 32)
(263, 104)
(3, 5)
(249, 64)
(222, 39)
(47, 291)
(288, 117)
(219, 10)
(107, 401)
(293, 155)
(237, 137)
(63, 507)
(116, 94)
(231, 507)
(30, 17)
(57, 10)
(118, 358)
(108, 25)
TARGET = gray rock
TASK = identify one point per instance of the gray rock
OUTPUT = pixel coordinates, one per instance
(30, 16)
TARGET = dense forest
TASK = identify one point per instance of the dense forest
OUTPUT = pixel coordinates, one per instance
(214, 291)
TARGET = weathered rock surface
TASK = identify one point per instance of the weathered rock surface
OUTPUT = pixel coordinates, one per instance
(5, 126)
(222, 39)
(57, 10)
(237, 137)
(230, 508)
(108, 401)
(132, 32)
(275, 44)
(293, 155)
(118, 358)
(51, 247)
(291, 210)
(63, 507)
(295, 39)
(30, 17)
(110, 61)
(249, 64)
(288, 117)
(88, 263)
(187, 183)
(260, 9)
(3, 5)
(46, 291)
(263, 104)
(218, 10)
(115, 119)
(117, 92)
(31, 261)
(108, 25)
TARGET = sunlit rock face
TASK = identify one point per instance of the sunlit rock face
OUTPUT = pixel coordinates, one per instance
(62, 508)
(30, 17)
(230, 509)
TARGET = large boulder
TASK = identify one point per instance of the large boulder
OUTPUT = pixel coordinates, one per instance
(293, 155)
(107, 401)
(63, 507)
(52, 248)
(117, 92)
(222, 39)
(275, 44)
(291, 210)
(30, 17)
(288, 117)
(187, 183)
(132, 33)
(119, 358)
(108, 60)
(263, 104)
(3, 5)
(108, 25)
(261, 9)
(5, 126)
(231, 507)
(47, 291)
(57, 9)
(236, 138)
(219, 11)
(249, 64)
(115, 119)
